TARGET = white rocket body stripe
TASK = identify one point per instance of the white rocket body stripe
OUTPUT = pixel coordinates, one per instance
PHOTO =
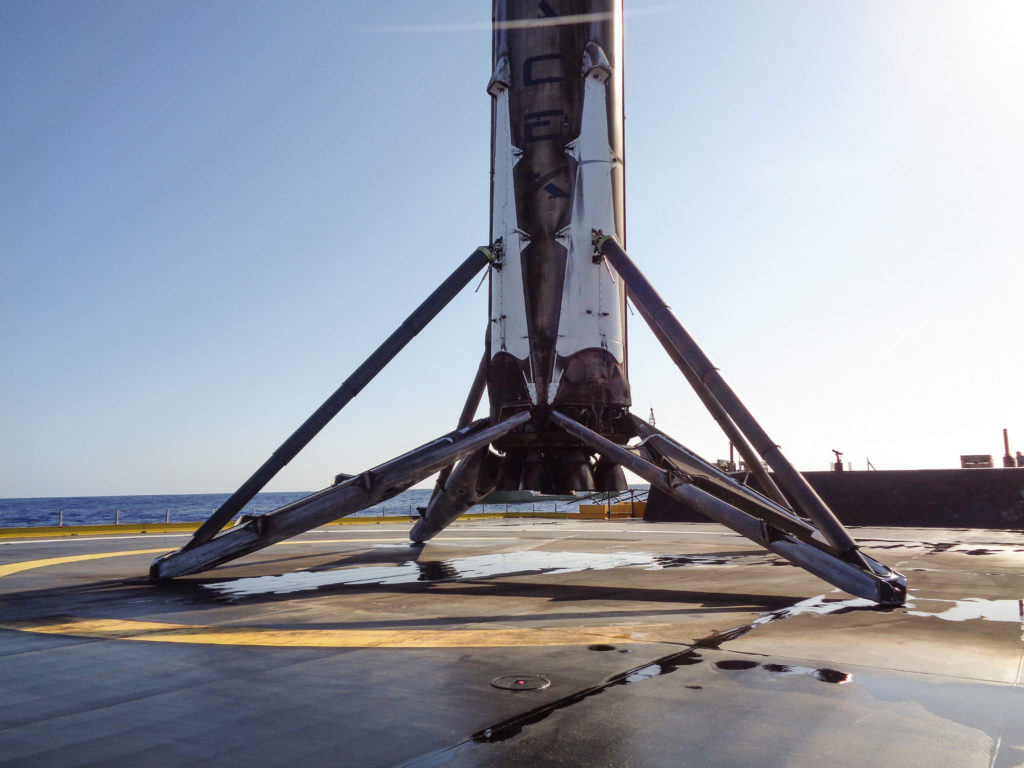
(592, 296)
(509, 331)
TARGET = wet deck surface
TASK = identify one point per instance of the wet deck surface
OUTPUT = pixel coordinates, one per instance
(664, 645)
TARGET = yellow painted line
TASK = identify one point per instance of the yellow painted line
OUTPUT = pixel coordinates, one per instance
(492, 637)
(156, 528)
(312, 637)
(28, 565)
(392, 540)
(81, 531)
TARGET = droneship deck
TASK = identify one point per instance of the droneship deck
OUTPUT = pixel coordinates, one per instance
(511, 643)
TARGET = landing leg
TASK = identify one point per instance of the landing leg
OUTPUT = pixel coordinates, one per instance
(473, 478)
(723, 402)
(351, 387)
(757, 518)
(358, 492)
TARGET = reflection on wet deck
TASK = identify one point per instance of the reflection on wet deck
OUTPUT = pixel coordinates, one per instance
(472, 567)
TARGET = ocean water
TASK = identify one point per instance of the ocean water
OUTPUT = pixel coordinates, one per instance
(181, 508)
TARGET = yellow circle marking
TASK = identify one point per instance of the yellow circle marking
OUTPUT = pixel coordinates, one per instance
(28, 565)
(162, 632)
(489, 637)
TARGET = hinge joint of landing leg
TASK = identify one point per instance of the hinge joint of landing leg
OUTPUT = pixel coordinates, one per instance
(256, 523)
(496, 253)
(770, 533)
(676, 478)
(856, 557)
(597, 240)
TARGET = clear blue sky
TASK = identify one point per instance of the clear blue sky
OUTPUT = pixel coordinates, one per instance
(211, 212)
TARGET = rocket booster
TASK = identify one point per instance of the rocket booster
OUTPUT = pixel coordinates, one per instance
(555, 358)
(557, 313)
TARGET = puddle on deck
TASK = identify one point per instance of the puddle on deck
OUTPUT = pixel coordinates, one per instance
(474, 567)
(932, 547)
(969, 609)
